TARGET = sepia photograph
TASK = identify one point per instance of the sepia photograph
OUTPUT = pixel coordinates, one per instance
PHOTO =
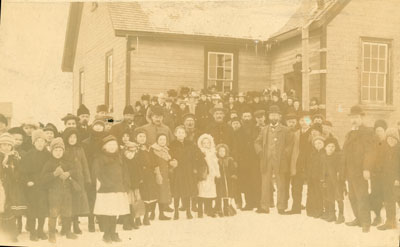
(204, 123)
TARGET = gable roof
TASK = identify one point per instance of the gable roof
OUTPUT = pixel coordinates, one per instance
(240, 20)
(308, 12)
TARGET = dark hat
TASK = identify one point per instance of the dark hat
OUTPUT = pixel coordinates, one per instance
(188, 115)
(257, 94)
(327, 123)
(51, 127)
(69, 132)
(216, 109)
(70, 116)
(157, 110)
(108, 139)
(259, 113)
(82, 110)
(317, 127)
(274, 109)
(3, 119)
(380, 123)
(137, 103)
(235, 119)
(17, 130)
(172, 93)
(128, 110)
(291, 115)
(101, 108)
(169, 100)
(318, 137)
(317, 115)
(330, 140)
(145, 97)
(204, 92)
(356, 110)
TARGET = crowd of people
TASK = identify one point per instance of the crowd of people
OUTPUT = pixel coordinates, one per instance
(197, 152)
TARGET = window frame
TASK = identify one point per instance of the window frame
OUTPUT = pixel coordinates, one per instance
(109, 81)
(81, 86)
(224, 80)
(387, 80)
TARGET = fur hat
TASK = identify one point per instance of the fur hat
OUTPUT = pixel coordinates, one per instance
(70, 116)
(108, 138)
(392, 132)
(68, 132)
(330, 140)
(380, 123)
(7, 138)
(36, 134)
(82, 110)
(128, 110)
(57, 143)
(318, 137)
(188, 115)
(274, 109)
(51, 127)
(101, 108)
(3, 119)
(17, 130)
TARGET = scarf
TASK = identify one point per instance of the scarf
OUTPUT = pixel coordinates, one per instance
(161, 152)
(212, 163)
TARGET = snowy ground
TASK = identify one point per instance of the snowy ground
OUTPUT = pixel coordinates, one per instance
(244, 229)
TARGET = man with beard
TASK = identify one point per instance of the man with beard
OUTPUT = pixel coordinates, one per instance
(218, 129)
(92, 147)
(84, 116)
(192, 133)
(359, 157)
(156, 126)
(273, 145)
(202, 111)
(127, 124)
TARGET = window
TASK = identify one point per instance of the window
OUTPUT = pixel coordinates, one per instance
(375, 72)
(109, 99)
(81, 86)
(220, 71)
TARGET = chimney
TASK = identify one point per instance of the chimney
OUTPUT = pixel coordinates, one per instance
(320, 4)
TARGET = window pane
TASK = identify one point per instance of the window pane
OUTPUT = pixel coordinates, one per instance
(228, 61)
(212, 60)
(382, 51)
(382, 66)
(374, 51)
(364, 93)
(367, 64)
(212, 73)
(374, 65)
(220, 61)
(380, 94)
(365, 79)
(381, 81)
(228, 74)
(372, 94)
(372, 80)
(220, 73)
(367, 50)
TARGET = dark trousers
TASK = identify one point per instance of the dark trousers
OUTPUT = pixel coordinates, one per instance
(297, 182)
(314, 205)
(376, 196)
(66, 224)
(267, 190)
(31, 222)
(109, 224)
(359, 200)
(204, 206)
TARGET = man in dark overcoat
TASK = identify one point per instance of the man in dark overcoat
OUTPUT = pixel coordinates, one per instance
(202, 111)
(218, 128)
(83, 114)
(127, 124)
(273, 145)
(359, 158)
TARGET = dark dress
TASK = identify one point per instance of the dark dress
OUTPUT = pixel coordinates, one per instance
(227, 184)
(32, 165)
(183, 182)
(164, 188)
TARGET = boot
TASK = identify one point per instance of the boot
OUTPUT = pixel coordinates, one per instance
(152, 211)
(106, 225)
(163, 217)
(189, 215)
(387, 226)
(52, 237)
(377, 221)
(353, 223)
(331, 217)
(107, 238)
(75, 226)
(91, 226)
(127, 223)
(176, 215)
(115, 237)
(19, 224)
(33, 236)
(340, 219)
(71, 235)
(41, 235)
(138, 222)
(146, 220)
(325, 215)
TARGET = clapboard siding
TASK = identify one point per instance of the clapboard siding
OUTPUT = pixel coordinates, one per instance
(253, 70)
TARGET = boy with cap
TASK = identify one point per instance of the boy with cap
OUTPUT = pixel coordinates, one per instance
(202, 111)
(127, 124)
(57, 178)
(31, 167)
(70, 120)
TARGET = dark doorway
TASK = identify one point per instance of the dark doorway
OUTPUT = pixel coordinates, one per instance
(292, 81)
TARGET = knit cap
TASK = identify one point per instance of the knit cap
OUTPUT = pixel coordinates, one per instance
(57, 143)
(36, 134)
(7, 138)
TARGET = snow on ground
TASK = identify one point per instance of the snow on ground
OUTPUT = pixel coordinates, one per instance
(247, 229)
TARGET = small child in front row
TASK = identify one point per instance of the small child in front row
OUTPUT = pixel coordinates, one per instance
(57, 179)
(226, 184)
(333, 182)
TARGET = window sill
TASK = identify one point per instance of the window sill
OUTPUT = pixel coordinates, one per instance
(382, 108)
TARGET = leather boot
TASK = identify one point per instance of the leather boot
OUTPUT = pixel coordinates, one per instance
(377, 221)
(340, 219)
(91, 226)
(353, 223)
(75, 226)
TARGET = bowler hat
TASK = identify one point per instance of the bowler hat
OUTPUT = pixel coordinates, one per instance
(274, 109)
(82, 110)
(356, 110)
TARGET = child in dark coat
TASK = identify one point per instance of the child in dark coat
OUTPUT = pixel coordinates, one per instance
(314, 204)
(112, 187)
(31, 167)
(58, 176)
(333, 181)
(227, 183)
(183, 183)
(13, 205)
(75, 153)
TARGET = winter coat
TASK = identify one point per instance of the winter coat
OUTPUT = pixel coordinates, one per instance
(170, 118)
(221, 132)
(32, 165)
(59, 192)
(165, 195)
(358, 152)
(227, 183)
(183, 180)
(142, 164)
(119, 129)
(315, 166)
(333, 170)
(152, 131)
(300, 152)
(110, 172)
(13, 184)
(390, 168)
(202, 114)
